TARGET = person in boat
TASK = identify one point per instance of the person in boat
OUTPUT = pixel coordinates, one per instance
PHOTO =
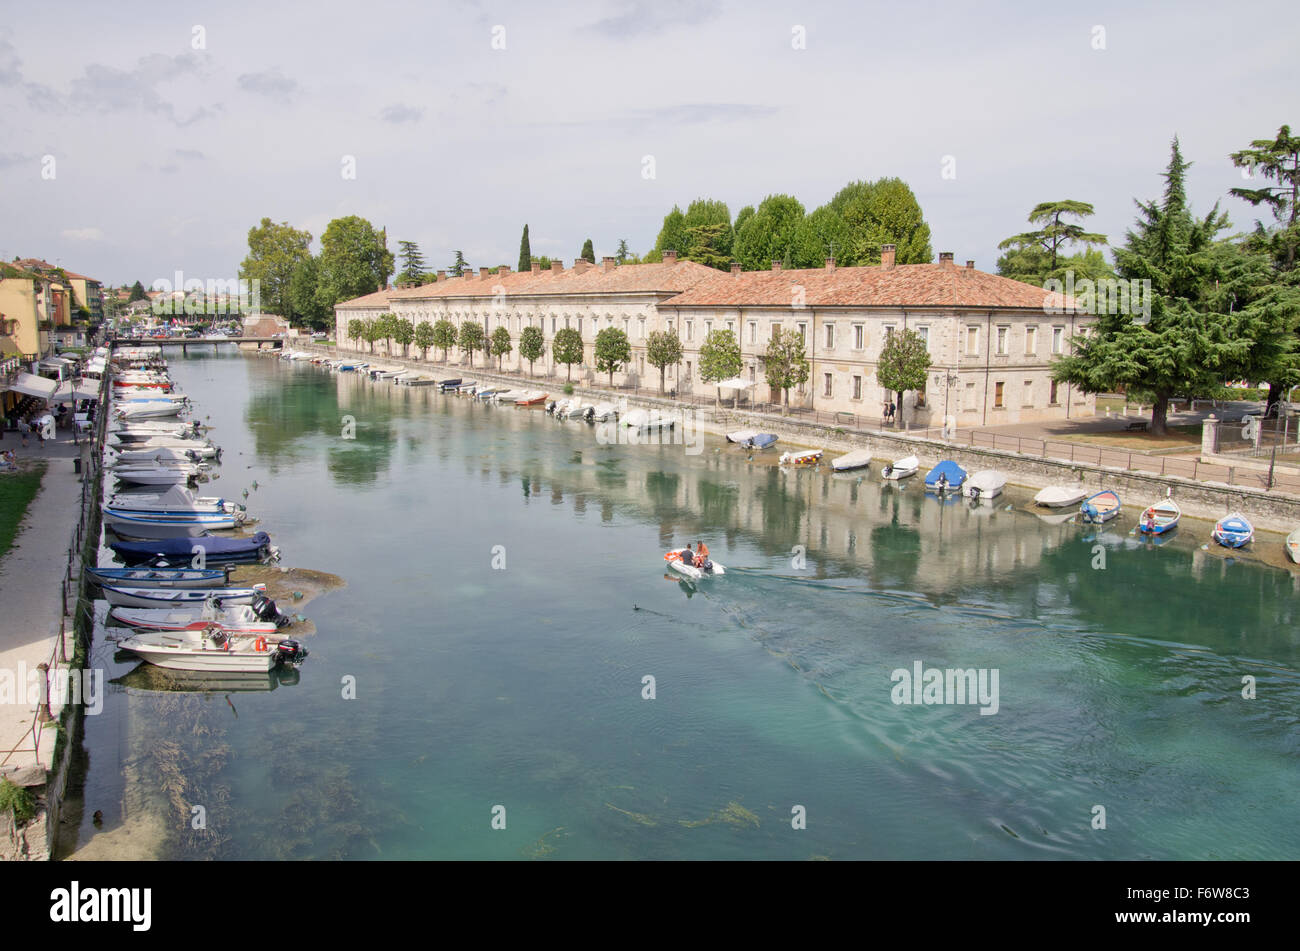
(702, 551)
(1151, 520)
(687, 556)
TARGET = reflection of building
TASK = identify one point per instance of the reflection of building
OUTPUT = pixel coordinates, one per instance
(992, 340)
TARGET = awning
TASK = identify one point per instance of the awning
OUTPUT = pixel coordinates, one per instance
(67, 393)
(34, 385)
(735, 383)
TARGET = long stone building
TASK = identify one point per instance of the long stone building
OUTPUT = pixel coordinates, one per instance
(992, 340)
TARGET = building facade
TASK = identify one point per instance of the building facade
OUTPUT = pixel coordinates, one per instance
(992, 340)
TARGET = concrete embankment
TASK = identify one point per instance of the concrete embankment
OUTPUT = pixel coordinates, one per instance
(1270, 510)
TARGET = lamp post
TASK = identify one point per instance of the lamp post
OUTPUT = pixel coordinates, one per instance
(947, 379)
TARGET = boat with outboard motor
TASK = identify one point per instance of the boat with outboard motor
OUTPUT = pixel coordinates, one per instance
(212, 648)
(261, 616)
(692, 571)
(121, 596)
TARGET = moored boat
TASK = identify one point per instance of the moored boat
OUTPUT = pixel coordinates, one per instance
(1293, 546)
(947, 476)
(123, 596)
(165, 578)
(857, 459)
(985, 484)
(1159, 518)
(1059, 496)
(214, 550)
(805, 457)
(258, 617)
(1101, 507)
(901, 468)
(1234, 531)
(214, 649)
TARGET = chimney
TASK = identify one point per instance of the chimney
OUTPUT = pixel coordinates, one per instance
(503, 270)
(484, 275)
(557, 266)
(776, 265)
(537, 267)
(830, 264)
(670, 257)
(607, 263)
(735, 267)
(945, 259)
(970, 265)
(581, 265)
(886, 256)
(442, 275)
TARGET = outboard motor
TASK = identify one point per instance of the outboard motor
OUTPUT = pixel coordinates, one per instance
(290, 653)
(975, 492)
(265, 610)
(887, 470)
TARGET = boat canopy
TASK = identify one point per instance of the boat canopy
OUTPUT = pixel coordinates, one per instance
(954, 473)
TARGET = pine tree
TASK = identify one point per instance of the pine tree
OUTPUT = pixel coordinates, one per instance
(458, 266)
(413, 266)
(621, 255)
(525, 252)
(588, 252)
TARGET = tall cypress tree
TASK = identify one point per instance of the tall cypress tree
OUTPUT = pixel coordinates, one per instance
(525, 252)
(588, 252)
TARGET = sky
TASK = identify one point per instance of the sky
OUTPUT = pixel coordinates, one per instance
(142, 139)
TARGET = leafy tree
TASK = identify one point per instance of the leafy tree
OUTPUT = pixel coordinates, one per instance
(471, 338)
(1050, 237)
(501, 344)
(904, 362)
(768, 234)
(403, 333)
(371, 333)
(458, 266)
(588, 252)
(621, 255)
(709, 244)
(303, 297)
(274, 252)
(720, 358)
(386, 330)
(1184, 348)
(353, 261)
(883, 212)
(532, 344)
(356, 330)
(544, 263)
(663, 349)
(672, 233)
(424, 338)
(613, 351)
(137, 293)
(785, 364)
(525, 252)
(444, 337)
(567, 349)
(413, 265)
(821, 235)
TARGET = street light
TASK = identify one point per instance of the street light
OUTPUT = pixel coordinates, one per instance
(947, 380)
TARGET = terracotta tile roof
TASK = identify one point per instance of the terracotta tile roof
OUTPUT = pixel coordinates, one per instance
(905, 285)
(595, 280)
(377, 299)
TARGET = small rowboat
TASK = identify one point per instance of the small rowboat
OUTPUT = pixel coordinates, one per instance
(901, 468)
(1101, 507)
(808, 457)
(128, 597)
(531, 399)
(857, 459)
(1293, 546)
(1234, 531)
(1160, 518)
(164, 578)
(674, 559)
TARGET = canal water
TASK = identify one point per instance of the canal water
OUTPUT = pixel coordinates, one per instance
(489, 661)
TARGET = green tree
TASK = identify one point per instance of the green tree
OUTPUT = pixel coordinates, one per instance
(444, 337)
(588, 252)
(613, 351)
(424, 338)
(413, 265)
(303, 297)
(883, 212)
(709, 244)
(903, 364)
(501, 344)
(532, 344)
(720, 359)
(525, 252)
(471, 338)
(567, 349)
(274, 252)
(663, 349)
(785, 364)
(356, 330)
(768, 234)
(353, 261)
(403, 333)
(137, 293)
(1184, 348)
(821, 235)
(1052, 235)
(621, 255)
(672, 233)
(371, 333)
(1277, 160)
(458, 266)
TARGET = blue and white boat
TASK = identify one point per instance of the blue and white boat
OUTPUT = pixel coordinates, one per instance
(124, 522)
(181, 550)
(165, 578)
(947, 476)
(1234, 531)
(1101, 507)
(122, 596)
(352, 366)
(1160, 518)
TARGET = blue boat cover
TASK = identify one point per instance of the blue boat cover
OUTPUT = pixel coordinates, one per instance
(955, 474)
(214, 549)
(762, 440)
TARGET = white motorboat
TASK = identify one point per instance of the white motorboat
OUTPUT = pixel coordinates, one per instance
(857, 459)
(604, 412)
(213, 649)
(161, 441)
(177, 500)
(162, 525)
(985, 484)
(577, 409)
(260, 617)
(742, 436)
(510, 396)
(129, 434)
(163, 454)
(674, 559)
(159, 475)
(150, 409)
(646, 421)
(129, 597)
(1060, 496)
(801, 457)
(901, 468)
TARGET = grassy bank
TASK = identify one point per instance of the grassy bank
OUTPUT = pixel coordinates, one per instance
(17, 489)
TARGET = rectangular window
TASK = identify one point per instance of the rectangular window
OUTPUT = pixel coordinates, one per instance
(889, 331)
(579, 328)
(776, 328)
(690, 330)
(830, 336)
(1052, 396)
(970, 404)
(924, 334)
(920, 397)
(625, 325)
(1058, 339)
(640, 328)
(708, 328)
(1003, 333)
(857, 387)
(753, 331)
(859, 336)
(828, 385)
(553, 319)
(731, 326)
(688, 370)
(1029, 392)
(1031, 341)
(803, 333)
(997, 395)
(972, 341)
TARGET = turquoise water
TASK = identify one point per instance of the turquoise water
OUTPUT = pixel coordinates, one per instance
(521, 687)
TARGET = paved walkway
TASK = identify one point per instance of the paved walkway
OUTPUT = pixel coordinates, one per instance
(30, 600)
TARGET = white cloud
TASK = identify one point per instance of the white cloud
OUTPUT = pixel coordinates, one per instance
(82, 234)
